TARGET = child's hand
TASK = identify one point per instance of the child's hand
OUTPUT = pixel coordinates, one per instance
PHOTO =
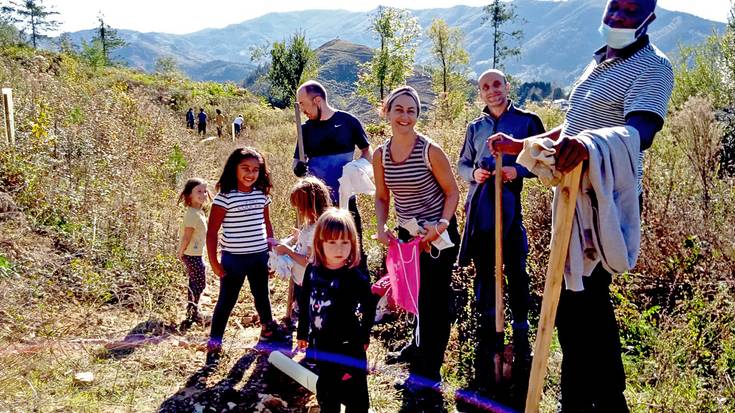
(295, 233)
(281, 249)
(180, 255)
(302, 344)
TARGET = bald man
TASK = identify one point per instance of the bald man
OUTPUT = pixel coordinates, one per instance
(477, 165)
(330, 138)
(628, 83)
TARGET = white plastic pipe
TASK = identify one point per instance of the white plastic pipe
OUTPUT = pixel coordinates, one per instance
(294, 370)
(300, 374)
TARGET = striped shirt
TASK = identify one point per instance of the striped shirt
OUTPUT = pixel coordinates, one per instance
(609, 90)
(416, 191)
(243, 228)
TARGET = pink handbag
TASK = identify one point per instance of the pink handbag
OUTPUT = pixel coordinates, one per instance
(402, 264)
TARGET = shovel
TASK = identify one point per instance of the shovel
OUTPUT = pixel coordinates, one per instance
(561, 232)
(499, 357)
(302, 158)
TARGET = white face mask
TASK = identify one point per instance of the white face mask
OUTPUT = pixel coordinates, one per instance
(620, 38)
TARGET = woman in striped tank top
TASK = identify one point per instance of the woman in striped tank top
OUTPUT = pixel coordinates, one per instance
(417, 173)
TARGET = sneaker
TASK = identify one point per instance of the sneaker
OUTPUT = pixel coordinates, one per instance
(196, 318)
(416, 386)
(405, 385)
(185, 325)
(272, 332)
(214, 354)
(289, 324)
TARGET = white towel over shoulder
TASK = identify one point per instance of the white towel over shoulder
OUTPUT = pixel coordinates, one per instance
(606, 227)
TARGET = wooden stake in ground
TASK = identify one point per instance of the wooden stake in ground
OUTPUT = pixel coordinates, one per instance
(299, 132)
(499, 279)
(561, 233)
(9, 117)
(302, 158)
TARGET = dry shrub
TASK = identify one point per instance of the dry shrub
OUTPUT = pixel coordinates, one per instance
(688, 226)
(696, 132)
(96, 169)
(537, 220)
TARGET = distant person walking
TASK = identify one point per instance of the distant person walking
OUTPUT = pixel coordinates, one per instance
(219, 122)
(202, 125)
(190, 119)
(239, 120)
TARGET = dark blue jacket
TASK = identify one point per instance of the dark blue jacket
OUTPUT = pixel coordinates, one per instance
(518, 123)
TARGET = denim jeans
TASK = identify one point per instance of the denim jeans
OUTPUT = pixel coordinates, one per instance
(237, 267)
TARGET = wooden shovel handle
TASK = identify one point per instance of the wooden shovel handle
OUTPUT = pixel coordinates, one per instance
(563, 216)
(299, 133)
(302, 158)
(499, 305)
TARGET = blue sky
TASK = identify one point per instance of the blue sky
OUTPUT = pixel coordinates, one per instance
(186, 16)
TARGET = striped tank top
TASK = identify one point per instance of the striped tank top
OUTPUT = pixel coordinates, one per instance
(416, 192)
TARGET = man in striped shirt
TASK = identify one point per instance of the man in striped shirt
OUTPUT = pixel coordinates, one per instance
(628, 83)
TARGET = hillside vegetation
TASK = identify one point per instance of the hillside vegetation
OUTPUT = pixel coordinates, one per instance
(89, 281)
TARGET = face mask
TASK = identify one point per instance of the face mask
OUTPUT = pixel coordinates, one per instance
(620, 38)
(443, 242)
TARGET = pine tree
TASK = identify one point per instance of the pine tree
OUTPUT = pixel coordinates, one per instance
(34, 16)
(498, 14)
(108, 39)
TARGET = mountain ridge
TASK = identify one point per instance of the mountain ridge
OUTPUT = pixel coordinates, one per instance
(568, 28)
